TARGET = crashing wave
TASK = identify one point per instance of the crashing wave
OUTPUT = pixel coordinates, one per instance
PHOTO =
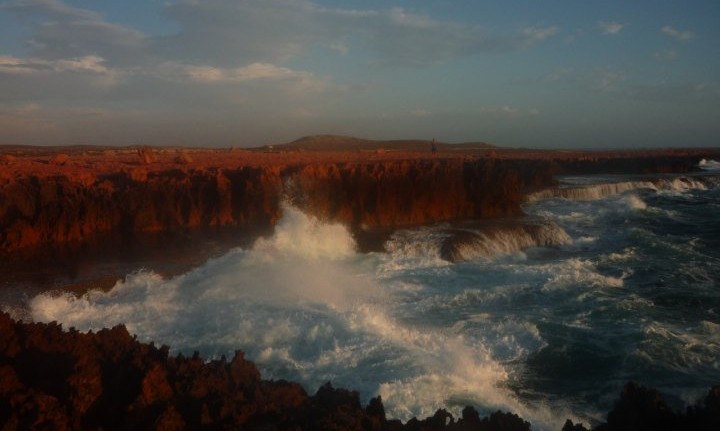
(488, 243)
(603, 190)
(709, 165)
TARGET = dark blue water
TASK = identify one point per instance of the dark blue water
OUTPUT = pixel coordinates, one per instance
(606, 280)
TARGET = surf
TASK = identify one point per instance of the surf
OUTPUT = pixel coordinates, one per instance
(542, 316)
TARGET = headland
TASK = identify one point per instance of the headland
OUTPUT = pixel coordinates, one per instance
(131, 200)
(70, 195)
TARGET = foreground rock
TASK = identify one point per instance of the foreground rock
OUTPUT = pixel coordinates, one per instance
(51, 379)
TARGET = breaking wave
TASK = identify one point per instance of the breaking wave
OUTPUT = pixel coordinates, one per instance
(488, 243)
(603, 190)
(539, 316)
(437, 246)
(709, 165)
(306, 306)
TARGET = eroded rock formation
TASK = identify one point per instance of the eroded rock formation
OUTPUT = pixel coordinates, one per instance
(53, 379)
(42, 202)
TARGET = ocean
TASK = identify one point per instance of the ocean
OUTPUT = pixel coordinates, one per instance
(607, 279)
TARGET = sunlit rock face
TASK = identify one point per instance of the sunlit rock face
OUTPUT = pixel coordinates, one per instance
(42, 202)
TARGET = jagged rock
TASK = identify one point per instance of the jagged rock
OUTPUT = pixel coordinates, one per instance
(6, 159)
(60, 159)
(146, 155)
(62, 205)
(183, 158)
(570, 426)
(52, 379)
(640, 408)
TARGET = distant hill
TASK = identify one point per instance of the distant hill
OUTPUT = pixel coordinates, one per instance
(339, 142)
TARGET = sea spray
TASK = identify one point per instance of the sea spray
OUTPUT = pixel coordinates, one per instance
(551, 329)
(306, 306)
(497, 241)
(604, 189)
(709, 165)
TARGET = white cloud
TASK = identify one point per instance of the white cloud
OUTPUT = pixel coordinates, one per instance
(506, 112)
(339, 47)
(68, 32)
(225, 33)
(251, 72)
(229, 65)
(266, 71)
(52, 8)
(88, 64)
(610, 27)
(677, 34)
(608, 81)
(228, 33)
(537, 34)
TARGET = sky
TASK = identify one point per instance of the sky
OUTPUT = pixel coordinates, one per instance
(219, 73)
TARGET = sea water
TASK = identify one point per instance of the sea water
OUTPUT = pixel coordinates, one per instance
(606, 280)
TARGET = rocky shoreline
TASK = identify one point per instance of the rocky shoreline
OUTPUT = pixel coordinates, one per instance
(51, 196)
(67, 380)
(126, 201)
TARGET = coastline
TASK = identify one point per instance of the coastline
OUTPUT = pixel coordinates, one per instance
(78, 217)
(64, 379)
(323, 185)
(52, 196)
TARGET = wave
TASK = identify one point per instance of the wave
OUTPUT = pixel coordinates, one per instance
(603, 190)
(307, 307)
(681, 347)
(498, 241)
(709, 165)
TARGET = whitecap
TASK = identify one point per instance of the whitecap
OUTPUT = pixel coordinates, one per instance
(709, 165)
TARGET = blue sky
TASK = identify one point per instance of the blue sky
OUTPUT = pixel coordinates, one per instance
(521, 73)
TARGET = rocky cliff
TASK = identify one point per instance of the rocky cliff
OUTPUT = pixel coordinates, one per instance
(53, 199)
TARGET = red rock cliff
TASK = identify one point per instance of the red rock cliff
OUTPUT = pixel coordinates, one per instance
(47, 200)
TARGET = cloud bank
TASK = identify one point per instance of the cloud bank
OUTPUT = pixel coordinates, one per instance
(250, 72)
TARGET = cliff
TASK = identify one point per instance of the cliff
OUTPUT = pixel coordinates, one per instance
(50, 197)
(52, 379)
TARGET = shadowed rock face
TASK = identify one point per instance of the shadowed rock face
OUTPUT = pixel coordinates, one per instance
(49, 203)
(53, 209)
(37, 210)
(51, 379)
(414, 192)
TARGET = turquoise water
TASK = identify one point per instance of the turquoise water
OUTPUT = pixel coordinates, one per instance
(607, 279)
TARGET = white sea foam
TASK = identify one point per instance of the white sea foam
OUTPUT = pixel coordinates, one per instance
(634, 202)
(603, 190)
(681, 348)
(503, 240)
(415, 249)
(577, 272)
(306, 306)
(298, 234)
(435, 247)
(591, 192)
(426, 333)
(709, 165)
(625, 255)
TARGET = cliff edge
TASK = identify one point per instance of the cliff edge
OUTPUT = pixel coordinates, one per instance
(56, 195)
